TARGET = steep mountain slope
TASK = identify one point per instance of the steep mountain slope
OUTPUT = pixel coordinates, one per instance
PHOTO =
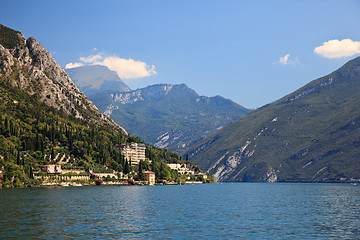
(43, 115)
(95, 79)
(29, 67)
(168, 116)
(310, 135)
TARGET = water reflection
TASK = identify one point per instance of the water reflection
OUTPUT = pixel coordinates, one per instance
(337, 211)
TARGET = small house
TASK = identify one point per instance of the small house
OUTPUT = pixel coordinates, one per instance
(52, 168)
(149, 177)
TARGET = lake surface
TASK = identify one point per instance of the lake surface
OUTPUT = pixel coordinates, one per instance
(213, 211)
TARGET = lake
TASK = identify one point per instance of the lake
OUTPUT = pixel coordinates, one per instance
(210, 211)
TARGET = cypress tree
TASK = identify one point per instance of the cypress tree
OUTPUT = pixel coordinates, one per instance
(42, 147)
(18, 162)
(6, 123)
(127, 167)
(52, 155)
(38, 142)
(11, 128)
(31, 172)
(140, 169)
(70, 140)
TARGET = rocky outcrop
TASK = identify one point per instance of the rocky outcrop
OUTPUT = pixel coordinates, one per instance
(308, 91)
(26, 64)
(151, 92)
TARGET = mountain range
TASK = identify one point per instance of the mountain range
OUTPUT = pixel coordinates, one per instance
(165, 115)
(310, 135)
(168, 116)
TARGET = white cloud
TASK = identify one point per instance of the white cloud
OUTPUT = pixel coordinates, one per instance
(91, 59)
(128, 68)
(337, 49)
(73, 65)
(285, 59)
(125, 68)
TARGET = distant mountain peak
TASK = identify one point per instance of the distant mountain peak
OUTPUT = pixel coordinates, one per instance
(156, 91)
(94, 79)
(170, 116)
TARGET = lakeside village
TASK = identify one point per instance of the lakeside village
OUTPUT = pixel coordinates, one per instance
(63, 172)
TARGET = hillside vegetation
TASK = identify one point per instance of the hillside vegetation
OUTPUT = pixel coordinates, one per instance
(311, 135)
(43, 116)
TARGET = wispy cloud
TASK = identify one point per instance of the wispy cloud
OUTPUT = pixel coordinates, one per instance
(337, 49)
(286, 60)
(91, 59)
(125, 68)
(73, 65)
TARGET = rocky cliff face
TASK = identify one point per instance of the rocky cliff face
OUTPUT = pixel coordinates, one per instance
(30, 67)
(139, 95)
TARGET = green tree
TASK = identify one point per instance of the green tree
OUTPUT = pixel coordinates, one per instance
(140, 171)
(18, 160)
(52, 153)
(126, 167)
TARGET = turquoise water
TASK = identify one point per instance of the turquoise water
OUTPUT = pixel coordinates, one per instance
(217, 211)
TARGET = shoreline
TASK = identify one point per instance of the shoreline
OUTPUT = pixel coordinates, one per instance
(76, 184)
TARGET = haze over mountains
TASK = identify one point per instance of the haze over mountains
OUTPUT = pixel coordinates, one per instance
(95, 78)
(165, 115)
(168, 116)
(310, 135)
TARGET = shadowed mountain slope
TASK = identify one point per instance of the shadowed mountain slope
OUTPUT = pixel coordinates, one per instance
(311, 135)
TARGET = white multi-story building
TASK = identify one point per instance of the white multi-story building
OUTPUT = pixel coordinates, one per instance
(134, 152)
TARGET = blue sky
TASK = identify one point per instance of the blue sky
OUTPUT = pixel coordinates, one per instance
(252, 52)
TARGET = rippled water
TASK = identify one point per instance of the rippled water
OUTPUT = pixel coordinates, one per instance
(217, 211)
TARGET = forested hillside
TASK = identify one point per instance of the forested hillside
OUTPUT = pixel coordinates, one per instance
(43, 114)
